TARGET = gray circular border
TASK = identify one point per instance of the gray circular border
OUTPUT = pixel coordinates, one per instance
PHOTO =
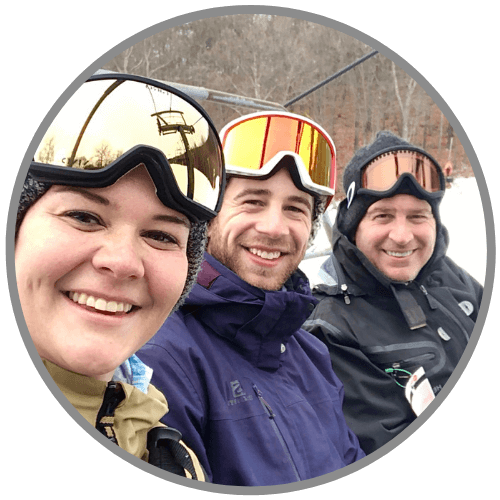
(314, 18)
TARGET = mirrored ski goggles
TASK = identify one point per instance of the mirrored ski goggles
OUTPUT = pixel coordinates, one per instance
(382, 173)
(254, 144)
(115, 122)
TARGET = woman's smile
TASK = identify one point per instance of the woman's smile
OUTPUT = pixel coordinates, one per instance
(100, 304)
(97, 277)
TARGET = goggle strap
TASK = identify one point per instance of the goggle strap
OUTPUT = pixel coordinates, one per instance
(268, 169)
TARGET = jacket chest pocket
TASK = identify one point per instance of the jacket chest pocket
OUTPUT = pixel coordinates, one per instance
(403, 369)
(401, 360)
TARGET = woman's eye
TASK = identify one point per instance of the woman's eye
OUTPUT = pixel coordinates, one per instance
(84, 218)
(161, 239)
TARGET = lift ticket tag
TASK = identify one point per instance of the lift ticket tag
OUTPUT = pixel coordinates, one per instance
(419, 392)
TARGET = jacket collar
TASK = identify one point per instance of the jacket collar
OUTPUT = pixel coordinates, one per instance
(257, 321)
(133, 417)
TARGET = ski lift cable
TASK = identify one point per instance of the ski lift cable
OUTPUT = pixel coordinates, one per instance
(203, 94)
(329, 79)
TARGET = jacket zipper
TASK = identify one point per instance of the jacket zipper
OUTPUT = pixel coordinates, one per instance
(105, 417)
(446, 312)
(275, 427)
(416, 359)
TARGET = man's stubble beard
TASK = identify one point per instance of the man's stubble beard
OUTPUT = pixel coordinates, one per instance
(259, 277)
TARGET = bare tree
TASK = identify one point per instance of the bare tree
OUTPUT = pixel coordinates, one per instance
(46, 154)
(404, 105)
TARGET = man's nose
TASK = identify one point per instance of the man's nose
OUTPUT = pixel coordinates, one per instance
(272, 223)
(401, 232)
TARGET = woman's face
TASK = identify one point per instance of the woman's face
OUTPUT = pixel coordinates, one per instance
(98, 271)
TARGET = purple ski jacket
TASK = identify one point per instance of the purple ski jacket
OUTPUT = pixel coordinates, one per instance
(253, 394)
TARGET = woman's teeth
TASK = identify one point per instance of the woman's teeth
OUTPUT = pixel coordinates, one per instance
(98, 303)
(265, 255)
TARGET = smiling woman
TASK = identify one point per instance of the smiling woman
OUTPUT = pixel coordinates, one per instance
(109, 274)
(106, 250)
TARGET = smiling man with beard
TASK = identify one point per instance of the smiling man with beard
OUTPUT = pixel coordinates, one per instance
(255, 394)
(263, 232)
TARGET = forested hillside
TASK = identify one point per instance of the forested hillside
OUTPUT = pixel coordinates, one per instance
(278, 58)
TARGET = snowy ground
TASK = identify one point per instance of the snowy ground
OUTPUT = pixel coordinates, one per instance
(461, 213)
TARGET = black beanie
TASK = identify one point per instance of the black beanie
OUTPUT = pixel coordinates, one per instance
(352, 209)
(33, 190)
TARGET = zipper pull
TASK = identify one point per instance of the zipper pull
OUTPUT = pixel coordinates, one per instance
(343, 287)
(263, 402)
(430, 299)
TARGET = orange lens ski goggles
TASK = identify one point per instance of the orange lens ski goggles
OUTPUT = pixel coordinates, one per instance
(382, 173)
(254, 144)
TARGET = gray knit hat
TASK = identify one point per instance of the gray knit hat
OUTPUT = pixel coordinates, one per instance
(33, 190)
(352, 209)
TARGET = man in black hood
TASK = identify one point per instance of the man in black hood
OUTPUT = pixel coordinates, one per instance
(395, 312)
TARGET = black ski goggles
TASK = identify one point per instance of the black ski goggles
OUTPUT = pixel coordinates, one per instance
(115, 122)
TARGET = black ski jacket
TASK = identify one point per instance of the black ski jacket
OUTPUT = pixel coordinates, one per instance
(375, 329)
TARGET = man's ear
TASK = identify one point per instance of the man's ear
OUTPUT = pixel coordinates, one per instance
(212, 222)
(209, 229)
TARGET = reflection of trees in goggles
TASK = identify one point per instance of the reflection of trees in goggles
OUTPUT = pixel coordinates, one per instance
(99, 124)
(107, 119)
